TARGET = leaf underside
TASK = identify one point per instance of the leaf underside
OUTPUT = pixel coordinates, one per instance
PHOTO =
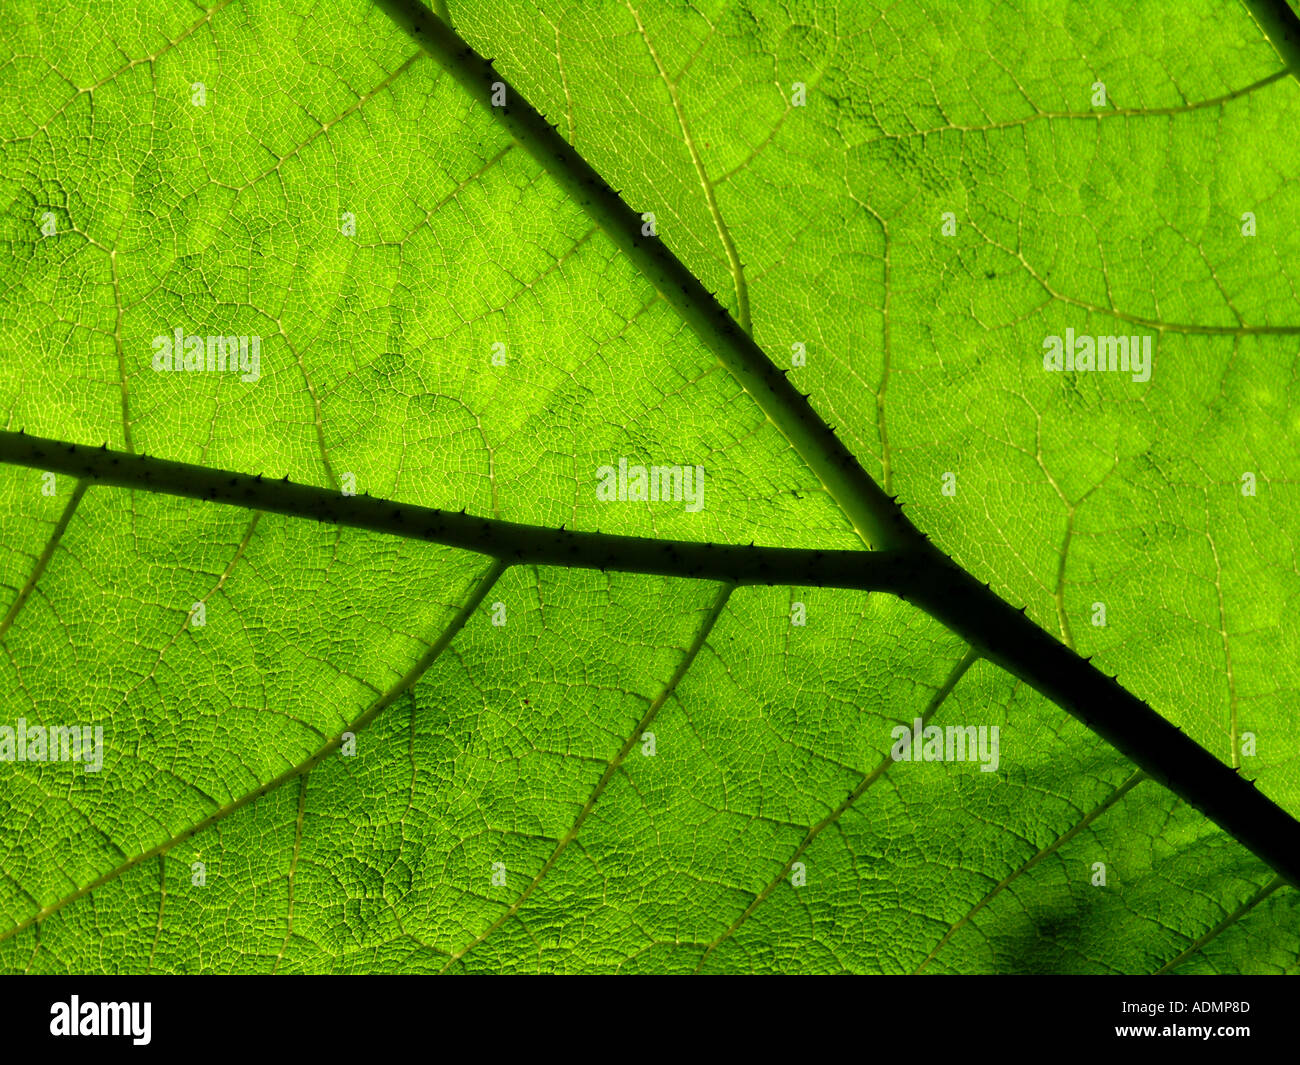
(504, 809)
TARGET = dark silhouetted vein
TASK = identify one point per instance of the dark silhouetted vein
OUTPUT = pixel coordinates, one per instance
(509, 541)
(1282, 28)
(907, 565)
(948, 593)
(875, 517)
(923, 576)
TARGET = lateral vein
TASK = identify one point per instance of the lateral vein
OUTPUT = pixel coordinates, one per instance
(480, 590)
(719, 604)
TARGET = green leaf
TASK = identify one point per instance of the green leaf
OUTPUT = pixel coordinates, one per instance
(556, 733)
